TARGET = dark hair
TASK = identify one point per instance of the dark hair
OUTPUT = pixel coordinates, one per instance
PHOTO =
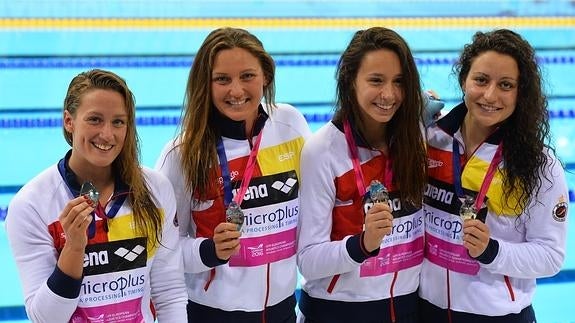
(403, 132)
(198, 138)
(523, 151)
(147, 217)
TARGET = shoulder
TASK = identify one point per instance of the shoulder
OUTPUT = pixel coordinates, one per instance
(553, 165)
(172, 147)
(288, 115)
(159, 185)
(46, 186)
(325, 136)
(325, 140)
(284, 109)
(155, 178)
(170, 155)
(45, 182)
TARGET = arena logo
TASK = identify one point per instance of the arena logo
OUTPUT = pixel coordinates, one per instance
(285, 187)
(98, 258)
(439, 194)
(254, 192)
(269, 189)
(114, 256)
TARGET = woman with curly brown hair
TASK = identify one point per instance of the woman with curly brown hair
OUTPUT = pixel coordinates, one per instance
(496, 202)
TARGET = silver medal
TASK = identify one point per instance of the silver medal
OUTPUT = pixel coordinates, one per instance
(468, 210)
(90, 190)
(378, 193)
(234, 214)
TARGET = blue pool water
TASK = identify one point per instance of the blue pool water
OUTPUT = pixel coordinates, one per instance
(38, 59)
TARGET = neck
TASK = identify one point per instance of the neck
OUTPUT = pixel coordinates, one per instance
(101, 177)
(374, 134)
(249, 125)
(473, 135)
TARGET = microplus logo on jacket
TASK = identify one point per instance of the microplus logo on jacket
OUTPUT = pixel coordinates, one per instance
(115, 256)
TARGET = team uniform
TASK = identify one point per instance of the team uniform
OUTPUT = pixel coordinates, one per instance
(259, 283)
(123, 272)
(342, 282)
(525, 244)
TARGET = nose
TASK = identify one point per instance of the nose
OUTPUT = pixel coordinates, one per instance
(107, 132)
(236, 89)
(490, 93)
(386, 92)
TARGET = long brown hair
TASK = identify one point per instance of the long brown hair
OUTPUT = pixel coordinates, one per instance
(403, 132)
(147, 217)
(198, 137)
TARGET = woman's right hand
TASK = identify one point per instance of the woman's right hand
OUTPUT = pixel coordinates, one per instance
(378, 224)
(227, 240)
(75, 219)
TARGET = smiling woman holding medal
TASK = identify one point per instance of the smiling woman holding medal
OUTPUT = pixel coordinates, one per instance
(93, 236)
(235, 170)
(496, 202)
(360, 243)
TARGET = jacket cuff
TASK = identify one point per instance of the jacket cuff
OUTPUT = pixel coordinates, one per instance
(356, 249)
(63, 285)
(489, 253)
(208, 254)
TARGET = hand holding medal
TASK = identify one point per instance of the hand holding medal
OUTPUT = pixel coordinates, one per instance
(378, 217)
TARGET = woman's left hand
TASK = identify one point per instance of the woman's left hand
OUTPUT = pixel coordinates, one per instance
(475, 237)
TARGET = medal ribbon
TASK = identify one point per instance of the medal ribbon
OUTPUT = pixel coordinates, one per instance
(250, 166)
(356, 163)
(486, 180)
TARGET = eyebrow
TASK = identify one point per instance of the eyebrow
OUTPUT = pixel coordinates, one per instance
(101, 114)
(488, 75)
(243, 71)
(384, 76)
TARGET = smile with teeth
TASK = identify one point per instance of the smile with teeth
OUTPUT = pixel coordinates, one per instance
(384, 106)
(489, 108)
(104, 147)
(237, 102)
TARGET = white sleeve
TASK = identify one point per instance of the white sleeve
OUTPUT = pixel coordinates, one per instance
(318, 256)
(36, 259)
(169, 165)
(168, 288)
(543, 252)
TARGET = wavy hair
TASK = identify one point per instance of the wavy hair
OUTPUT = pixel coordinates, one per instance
(523, 151)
